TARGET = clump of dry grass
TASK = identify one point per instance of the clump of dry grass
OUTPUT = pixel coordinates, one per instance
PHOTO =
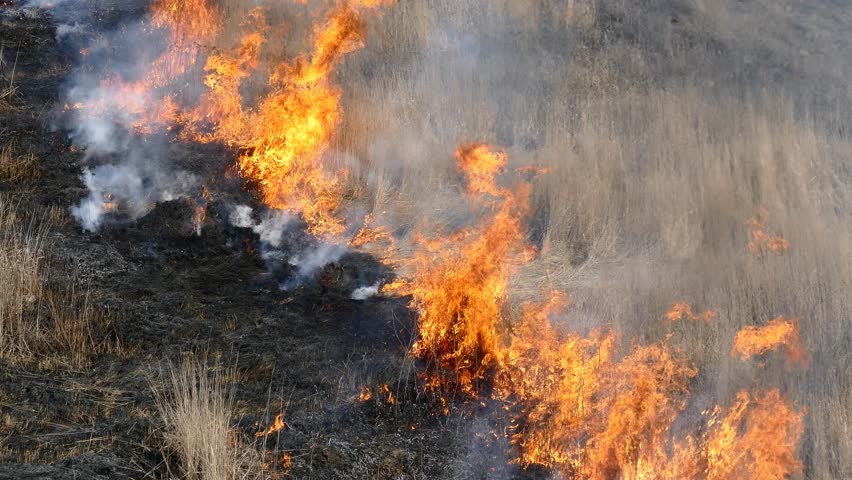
(78, 330)
(196, 405)
(8, 90)
(17, 168)
(21, 277)
(57, 325)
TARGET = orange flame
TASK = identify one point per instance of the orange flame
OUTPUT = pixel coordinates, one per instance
(680, 310)
(760, 240)
(460, 281)
(284, 135)
(577, 406)
(780, 332)
(276, 426)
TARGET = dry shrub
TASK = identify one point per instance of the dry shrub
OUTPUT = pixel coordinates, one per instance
(196, 405)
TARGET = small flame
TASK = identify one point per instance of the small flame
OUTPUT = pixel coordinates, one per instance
(681, 310)
(778, 333)
(276, 426)
(762, 241)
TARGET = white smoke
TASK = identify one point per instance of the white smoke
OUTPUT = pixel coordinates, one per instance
(132, 174)
(65, 29)
(363, 293)
(43, 3)
(271, 229)
(311, 260)
(132, 188)
(241, 216)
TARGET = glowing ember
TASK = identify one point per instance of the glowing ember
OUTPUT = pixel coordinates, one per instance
(778, 333)
(385, 391)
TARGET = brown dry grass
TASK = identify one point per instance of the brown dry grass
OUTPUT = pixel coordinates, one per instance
(21, 275)
(15, 167)
(53, 326)
(196, 403)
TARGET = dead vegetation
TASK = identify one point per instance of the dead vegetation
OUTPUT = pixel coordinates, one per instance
(8, 90)
(15, 167)
(53, 325)
(195, 400)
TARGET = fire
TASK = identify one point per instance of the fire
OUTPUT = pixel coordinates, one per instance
(778, 333)
(681, 310)
(286, 462)
(756, 437)
(365, 394)
(762, 241)
(460, 282)
(377, 240)
(276, 426)
(577, 405)
(192, 24)
(386, 392)
(283, 135)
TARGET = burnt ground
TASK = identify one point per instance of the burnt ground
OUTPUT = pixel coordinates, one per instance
(305, 352)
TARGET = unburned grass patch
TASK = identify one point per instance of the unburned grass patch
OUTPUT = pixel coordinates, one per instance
(15, 167)
(50, 323)
(195, 400)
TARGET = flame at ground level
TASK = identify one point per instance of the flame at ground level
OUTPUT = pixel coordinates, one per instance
(579, 406)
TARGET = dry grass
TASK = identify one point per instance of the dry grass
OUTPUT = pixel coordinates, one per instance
(21, 275)
(17, 168)
(196, 406)
(8, 90)
(56, 326)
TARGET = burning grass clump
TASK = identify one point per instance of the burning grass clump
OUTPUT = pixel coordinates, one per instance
(196, 404)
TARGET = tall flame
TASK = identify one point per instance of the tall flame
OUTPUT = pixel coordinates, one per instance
(283, 136)
(460, 281)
